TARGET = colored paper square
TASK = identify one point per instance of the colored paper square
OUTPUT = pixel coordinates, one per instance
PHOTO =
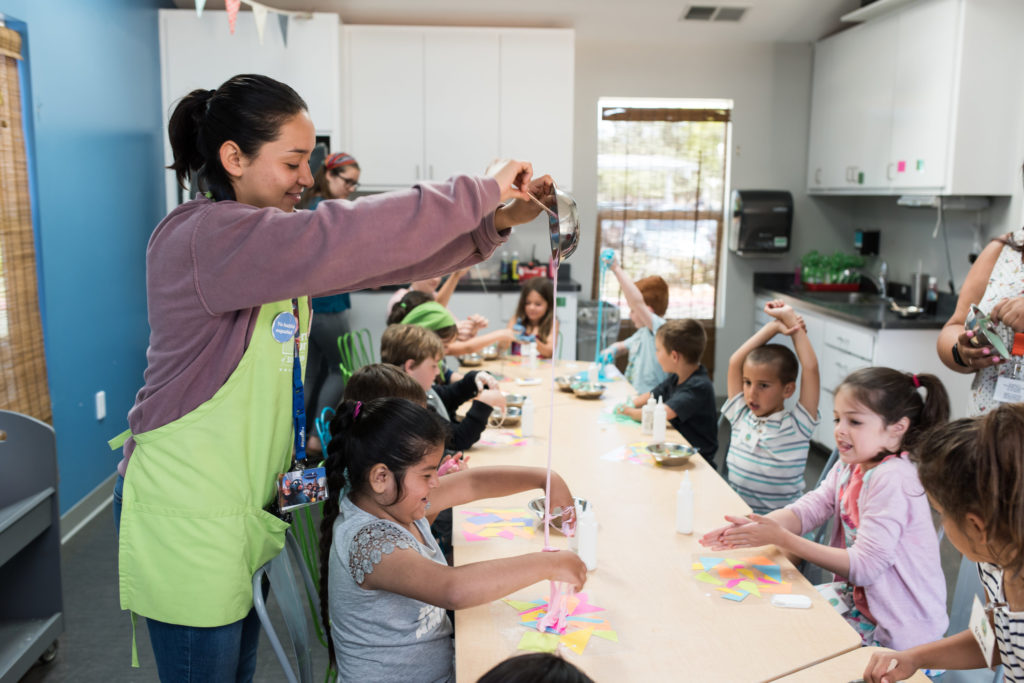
(587, 609)
(698, 566)
(760, 559)
(728, 573)
(750, 587)
(490, 533)
(709, 562)
(772, 571)
(473, 537)
(607, 635)
(577, 640)
(784, 587)
(734, 598)
(920, 164)
(733, 582)
(505, 533)
(747, 573)
(519, 605)
(483, 519)
(538, 642)
(901, 167)
(588, 620)
(728, 590)
(707, 578)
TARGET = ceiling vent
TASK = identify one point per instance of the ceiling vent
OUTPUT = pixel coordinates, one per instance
(713, 13)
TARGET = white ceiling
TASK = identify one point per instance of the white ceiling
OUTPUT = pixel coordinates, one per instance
(631, 21)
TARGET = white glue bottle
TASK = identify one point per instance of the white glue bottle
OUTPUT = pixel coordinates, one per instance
(658, 419)
(684, 506)
(526, 421)
(647, 417)
(533, 361)
(586, 533)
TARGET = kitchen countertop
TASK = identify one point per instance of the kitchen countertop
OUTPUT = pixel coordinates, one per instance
(873, 315)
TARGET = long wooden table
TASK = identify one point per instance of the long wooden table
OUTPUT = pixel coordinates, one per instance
(670, 626)
(845, 667)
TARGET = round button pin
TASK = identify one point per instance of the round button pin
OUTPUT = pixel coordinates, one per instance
(285, 326)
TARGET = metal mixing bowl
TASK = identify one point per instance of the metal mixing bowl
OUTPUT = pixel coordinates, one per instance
(471, 360)
(669, 454)
(588, 389)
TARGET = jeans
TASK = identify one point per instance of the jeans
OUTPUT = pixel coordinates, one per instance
(193, 654)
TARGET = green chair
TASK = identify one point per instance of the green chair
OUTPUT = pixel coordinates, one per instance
(356, 350)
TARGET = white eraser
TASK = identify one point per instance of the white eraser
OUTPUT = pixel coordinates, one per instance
(791, 600)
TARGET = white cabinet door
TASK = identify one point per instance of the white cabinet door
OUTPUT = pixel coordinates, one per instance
(869, 77)
(537, 77)
(461, 114)
(822, 160)
(385, 104)
(922, 107)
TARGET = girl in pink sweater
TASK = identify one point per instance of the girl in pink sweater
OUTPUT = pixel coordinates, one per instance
(883, 549)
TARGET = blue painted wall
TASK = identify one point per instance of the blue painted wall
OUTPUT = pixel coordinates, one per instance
(94, 71)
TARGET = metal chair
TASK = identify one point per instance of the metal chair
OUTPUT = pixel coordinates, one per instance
(282, 581)
(356, 350)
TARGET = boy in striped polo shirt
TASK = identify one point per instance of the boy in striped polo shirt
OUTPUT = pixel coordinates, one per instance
(768, 447)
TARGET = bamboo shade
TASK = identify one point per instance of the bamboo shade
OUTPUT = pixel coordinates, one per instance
(23, 385)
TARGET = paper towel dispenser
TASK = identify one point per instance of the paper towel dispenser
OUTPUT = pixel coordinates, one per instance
(762, 221)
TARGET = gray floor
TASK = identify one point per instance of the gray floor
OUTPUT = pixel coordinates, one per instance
(96, 645)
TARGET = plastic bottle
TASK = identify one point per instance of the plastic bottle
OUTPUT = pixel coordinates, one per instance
(534, 357)
(513, 267)
(506, 273)
(931, 297)
(526, 421)
(586, 533)
(658, 422)
(684, 506)
(593, 373)
(647, 417)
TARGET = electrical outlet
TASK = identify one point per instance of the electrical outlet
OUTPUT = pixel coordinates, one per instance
(101, 405)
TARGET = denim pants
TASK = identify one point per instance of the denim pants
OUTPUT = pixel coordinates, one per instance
(192, 654)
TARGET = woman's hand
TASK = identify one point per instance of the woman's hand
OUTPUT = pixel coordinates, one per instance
(889, 667)
(523, 209)
(1010, 312)
(976, 357)
(759, 531)
(565, 565)
(715, 539)
(511, 176)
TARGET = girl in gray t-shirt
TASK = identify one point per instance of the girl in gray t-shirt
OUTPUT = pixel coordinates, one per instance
(384, 581)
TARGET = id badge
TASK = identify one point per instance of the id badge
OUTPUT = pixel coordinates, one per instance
(982, 630)
(1010, 387)
(300, 488)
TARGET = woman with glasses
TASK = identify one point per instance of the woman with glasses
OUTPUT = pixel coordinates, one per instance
(336, 179)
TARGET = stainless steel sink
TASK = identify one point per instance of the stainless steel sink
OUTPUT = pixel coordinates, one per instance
(846, 298)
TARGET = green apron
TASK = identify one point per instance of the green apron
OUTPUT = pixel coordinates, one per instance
(193, 528)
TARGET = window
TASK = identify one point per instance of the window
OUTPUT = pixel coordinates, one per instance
(662, 176)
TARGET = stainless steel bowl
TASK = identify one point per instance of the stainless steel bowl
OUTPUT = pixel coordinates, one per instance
(514, 400)
(509, 418)
(537, 508)
(490, 352)
(565, 382)
(471, 360)
(588, 389)
(670, 454)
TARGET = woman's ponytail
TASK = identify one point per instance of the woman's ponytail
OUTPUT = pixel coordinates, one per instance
(184, 129)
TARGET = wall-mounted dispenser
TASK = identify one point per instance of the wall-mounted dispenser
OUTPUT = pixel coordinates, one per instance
(762, 221)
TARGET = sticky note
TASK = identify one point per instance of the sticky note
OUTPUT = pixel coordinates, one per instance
(747, 573)
(473, 537)
(489, 533)
(483, 519)
(735, 598)
(728, 590)
(901, 167)
(588, 620)
(749, 586)
(707, 578)
(728, 573)
(760, 559)
(505, 533)
(772, 571)
(709, 562)
(538, 642)
(519, 605)
(784, 587)
(607, 635)
(577, 640)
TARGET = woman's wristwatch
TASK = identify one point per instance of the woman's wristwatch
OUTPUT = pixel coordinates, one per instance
(956, 356)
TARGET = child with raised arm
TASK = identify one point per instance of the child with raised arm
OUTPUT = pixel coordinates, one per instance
(384, 581)
(648, 300)
(687, 392)
(768, 448)
(883, 550)
(973, 472)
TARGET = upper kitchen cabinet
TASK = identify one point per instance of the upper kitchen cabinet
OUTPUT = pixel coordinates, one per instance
(200, 52)
(424, 103)
(925, 99)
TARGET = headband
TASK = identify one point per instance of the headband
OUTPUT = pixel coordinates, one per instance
(917, 382)
(338, 160)
(430, 315)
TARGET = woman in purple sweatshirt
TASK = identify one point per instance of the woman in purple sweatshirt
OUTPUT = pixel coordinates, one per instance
(229, 276)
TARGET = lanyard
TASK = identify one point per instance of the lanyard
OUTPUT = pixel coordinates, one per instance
(298, 399)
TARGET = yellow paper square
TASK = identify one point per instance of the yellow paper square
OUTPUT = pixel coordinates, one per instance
(538, 642)
(577, 640)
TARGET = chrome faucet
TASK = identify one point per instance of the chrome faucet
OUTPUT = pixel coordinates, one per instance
(881, 283)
